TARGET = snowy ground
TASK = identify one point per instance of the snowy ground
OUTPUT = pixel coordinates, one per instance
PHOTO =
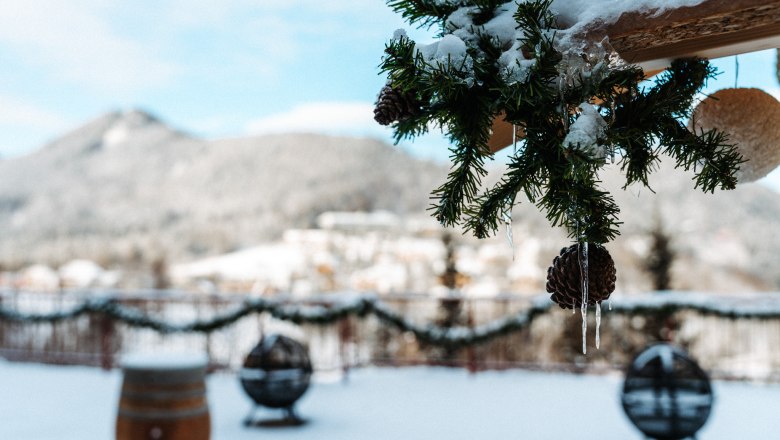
(61, 403)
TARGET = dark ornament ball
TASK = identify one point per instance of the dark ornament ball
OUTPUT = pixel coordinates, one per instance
(666, 394)
(394, 104)
(276, 372)
(564, 277)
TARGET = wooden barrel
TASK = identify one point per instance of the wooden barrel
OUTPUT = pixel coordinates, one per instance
(163, 398)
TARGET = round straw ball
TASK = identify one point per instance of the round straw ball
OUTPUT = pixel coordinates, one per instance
(751, 119)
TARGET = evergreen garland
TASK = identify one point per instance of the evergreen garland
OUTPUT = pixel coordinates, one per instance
(665, 303)
(474, 74)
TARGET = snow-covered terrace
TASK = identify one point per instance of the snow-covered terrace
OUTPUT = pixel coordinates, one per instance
(79, 403)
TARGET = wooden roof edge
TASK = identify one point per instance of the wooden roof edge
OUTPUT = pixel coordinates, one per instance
(711, 29)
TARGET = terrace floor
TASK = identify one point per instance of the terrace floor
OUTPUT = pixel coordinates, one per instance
(40, 402)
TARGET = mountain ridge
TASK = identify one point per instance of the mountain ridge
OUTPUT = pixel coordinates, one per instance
(150, 183)
(126, 187)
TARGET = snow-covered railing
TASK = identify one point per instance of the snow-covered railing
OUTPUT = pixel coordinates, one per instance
(732, 336)
(338, 307)
(748, 305)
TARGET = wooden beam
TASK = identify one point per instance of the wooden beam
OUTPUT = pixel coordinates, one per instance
(712, 29)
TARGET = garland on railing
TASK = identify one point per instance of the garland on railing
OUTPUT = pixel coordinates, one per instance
(362, 306)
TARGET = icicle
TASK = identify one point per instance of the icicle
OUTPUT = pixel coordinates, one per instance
(612, 111)
(611, 123)
(583, 247)
(507, 214)
(507, 217)
(509, 239)
(584, 313)
(598, 324)
(564, 108)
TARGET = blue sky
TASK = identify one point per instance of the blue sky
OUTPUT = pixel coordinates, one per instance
(217, 68)
(224, 68)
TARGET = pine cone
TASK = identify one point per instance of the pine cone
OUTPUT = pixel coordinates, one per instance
(395, 105)
(565, 283)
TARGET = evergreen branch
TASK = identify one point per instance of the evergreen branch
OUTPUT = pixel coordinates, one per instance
(535, 17)
(639, 159)
(676, 87)
(425, 13)
(469, 131)
(401, 63)
(573, 200)
(464, 97)
(631, 132)
(525, 173)
(715, 161)
(483, 216)
(649, 116)
(485, 10)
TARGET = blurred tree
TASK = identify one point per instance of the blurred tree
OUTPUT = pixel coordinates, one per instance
(660, 256)
(450, 312)
(160, 280)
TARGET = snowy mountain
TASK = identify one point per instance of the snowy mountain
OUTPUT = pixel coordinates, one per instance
(126, 186)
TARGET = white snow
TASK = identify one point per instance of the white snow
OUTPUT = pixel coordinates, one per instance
(164, 361)
(514, 66)
(80, 273)
(38, 277)
(399, 34)
(76, 403)
(358, 220)
(577, 16)
(116, 135)
(574, 17)
(586, 131)
(503, 25)
(744, 304)
(275, 263)
(581, 13)
(450, 50)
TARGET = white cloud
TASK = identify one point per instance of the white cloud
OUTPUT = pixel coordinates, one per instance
(773, 91)
(281, 32)
(25, 125)
(346, 118)
(772, 180)
(15, 112)
(75, 42)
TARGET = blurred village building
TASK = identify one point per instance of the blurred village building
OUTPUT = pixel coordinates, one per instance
(375, 252)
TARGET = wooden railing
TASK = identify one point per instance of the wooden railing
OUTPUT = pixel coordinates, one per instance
(730, 337)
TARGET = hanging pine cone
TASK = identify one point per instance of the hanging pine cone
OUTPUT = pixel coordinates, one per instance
(395, 105)
(565, 283)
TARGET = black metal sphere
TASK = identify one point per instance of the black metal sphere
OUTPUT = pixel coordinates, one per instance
(276, 372)
(666, 394)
